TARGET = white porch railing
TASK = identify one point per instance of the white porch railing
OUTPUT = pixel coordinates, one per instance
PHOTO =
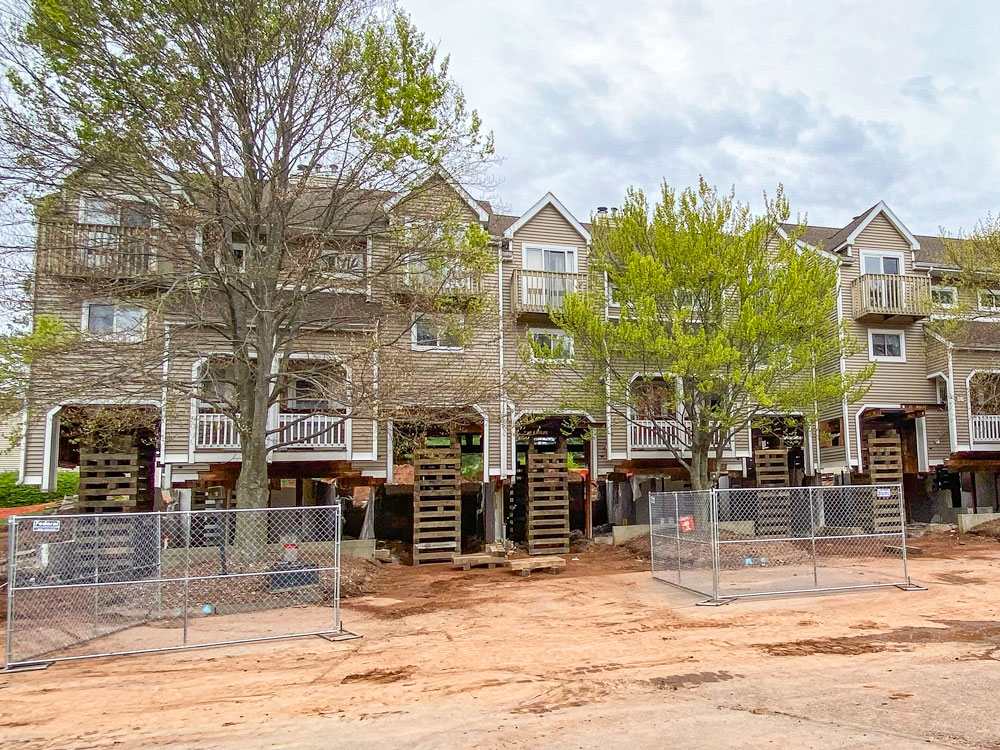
(986, 428)
(657, 434)
(315, 431)
(218, 432)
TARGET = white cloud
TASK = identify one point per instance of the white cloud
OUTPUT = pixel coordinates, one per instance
(845, 103)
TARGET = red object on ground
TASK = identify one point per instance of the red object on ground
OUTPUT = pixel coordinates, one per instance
(22, 510)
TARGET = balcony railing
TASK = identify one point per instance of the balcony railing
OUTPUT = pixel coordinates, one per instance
(96, 249)
(538, 291)
(986, 428)
(313, 431)
(659, 434)
(218, 432)
(882, 296)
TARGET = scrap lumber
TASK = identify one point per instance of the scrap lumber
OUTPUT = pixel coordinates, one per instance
(525, 565)
(479, 559)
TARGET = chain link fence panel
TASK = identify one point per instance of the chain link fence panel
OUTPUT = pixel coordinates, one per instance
(114, 583)
(731, 543)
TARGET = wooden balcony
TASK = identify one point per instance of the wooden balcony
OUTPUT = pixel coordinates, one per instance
(73, 249)
(659, 434)
(541, 291)
(881, 297)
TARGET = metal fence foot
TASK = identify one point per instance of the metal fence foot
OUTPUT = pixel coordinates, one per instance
(343, 635)
(714, 602)
(32, 666)
(910, 587)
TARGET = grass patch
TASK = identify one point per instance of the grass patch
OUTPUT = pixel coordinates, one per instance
(13, 495)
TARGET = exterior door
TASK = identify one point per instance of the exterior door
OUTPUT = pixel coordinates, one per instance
(551, 282)
(883, 292)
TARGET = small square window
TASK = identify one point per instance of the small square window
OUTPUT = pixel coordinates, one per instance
(886, 345)
(989, 300)
(101, 318)
(550, 345)
(431, 334)
(944, 296)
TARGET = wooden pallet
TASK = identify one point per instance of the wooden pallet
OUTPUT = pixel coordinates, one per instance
(437, 504)
(771, 466)
(466, 562)
(548, 502)
(885, 458)
(774, 514)
(525, 565)
(114, 481)
(211, 498)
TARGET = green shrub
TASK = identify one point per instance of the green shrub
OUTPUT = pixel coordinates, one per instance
(13, 495)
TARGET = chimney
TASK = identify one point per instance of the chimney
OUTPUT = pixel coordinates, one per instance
(614, 210)
(602, 210)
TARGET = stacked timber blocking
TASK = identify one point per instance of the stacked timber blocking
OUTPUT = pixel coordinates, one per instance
(772, 467)
(115, 481)
(437, 504)
(774, 508)
(548, 501)
(884, 457)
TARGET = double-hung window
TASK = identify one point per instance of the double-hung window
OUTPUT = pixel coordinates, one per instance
(989, 300)
(944, 296)
(884, 290)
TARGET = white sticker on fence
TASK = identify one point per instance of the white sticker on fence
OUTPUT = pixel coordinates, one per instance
(46, 524)
(883, 492)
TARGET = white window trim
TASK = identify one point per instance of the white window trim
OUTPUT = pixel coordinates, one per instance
(552, 332)
(138, 334)
(979, 300)
(572, 251)
(428, 347)
(882, 254)
(893, 332)
(954, 295)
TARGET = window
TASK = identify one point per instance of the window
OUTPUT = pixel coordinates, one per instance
(346, 260)
(107, 212)
(128, 323)
(428, 334)
(989, 300)
(550, 345)
(944, 296)
(881, 263)
(942, 391)
(886, 346)
(548, 276)
(653, 399)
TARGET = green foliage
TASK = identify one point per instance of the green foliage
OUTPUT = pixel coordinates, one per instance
(19, 350)
(734, 317)
(13, 495)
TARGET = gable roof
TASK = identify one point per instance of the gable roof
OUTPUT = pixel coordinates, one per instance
(548, 200)
(482, 214)
(849, 234)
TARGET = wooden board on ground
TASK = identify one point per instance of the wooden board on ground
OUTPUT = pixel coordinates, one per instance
(479, 559)
(525, 565)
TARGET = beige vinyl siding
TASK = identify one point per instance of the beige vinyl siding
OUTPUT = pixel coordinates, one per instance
(938, 440)
(893, 383)
(965, 362)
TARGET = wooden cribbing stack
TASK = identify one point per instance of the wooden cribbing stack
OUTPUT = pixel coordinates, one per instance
(114, 481)
(774, 513)
(885, 466)
(437, 504)
(548, 502)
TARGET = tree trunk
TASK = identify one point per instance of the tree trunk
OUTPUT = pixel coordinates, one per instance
(700, 476)
(252, 487)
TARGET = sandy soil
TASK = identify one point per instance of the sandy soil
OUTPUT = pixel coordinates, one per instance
(599, 656)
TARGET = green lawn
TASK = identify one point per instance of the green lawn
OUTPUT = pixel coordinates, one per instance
(13, 495)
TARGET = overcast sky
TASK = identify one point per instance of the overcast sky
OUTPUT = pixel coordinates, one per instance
(844, 103)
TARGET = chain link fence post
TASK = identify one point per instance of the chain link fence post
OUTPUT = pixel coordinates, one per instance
(713, 516)
(902, 532)
(812, 533)
(677, 535)
(11, 584)
(186, 520)
(338, 524)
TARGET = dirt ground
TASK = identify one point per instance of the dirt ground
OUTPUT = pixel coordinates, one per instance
(599, 656)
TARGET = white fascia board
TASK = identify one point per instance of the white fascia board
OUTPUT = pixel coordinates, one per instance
(893, 219)
(548, 200)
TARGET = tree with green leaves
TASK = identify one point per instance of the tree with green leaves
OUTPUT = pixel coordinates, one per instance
(701, 319)
(252, 152)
